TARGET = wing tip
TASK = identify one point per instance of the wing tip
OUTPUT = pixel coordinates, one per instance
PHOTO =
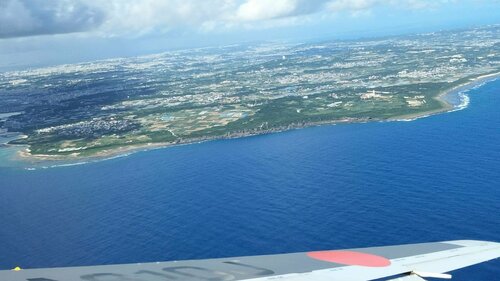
(473, 243)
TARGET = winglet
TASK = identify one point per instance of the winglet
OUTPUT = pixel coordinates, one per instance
(431, 275)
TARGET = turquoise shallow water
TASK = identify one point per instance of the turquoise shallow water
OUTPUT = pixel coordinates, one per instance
(328, 187)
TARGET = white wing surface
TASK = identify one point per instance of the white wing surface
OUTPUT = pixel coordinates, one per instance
(414, 262)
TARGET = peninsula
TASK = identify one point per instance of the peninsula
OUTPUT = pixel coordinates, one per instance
(110, 107)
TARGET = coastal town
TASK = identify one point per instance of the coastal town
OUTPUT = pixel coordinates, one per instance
(81, 110)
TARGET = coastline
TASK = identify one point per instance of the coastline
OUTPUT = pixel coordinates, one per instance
(49, 161)
(24, 156)
(447, 106)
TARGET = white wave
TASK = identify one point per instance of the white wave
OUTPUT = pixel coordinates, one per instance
(464, 101)
(463, 97)
(56, 166)
(40, 166)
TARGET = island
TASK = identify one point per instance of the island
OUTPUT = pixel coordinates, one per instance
(110, 107)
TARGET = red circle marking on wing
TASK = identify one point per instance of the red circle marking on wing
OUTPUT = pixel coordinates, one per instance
(350, 258)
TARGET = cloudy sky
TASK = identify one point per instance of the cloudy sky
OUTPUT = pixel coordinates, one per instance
(45, 32)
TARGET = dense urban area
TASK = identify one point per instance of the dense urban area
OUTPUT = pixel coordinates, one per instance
(175, 97)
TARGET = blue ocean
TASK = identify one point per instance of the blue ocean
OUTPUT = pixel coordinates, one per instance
(328, 187)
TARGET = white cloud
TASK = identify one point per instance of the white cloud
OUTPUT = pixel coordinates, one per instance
(26, 18)
(364, 5)
(132, 17)
(253, 10)
(350, 5)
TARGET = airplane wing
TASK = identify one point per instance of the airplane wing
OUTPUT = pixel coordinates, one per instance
(413, 262)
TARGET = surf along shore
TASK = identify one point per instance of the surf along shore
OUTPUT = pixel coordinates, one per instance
(24, 157)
